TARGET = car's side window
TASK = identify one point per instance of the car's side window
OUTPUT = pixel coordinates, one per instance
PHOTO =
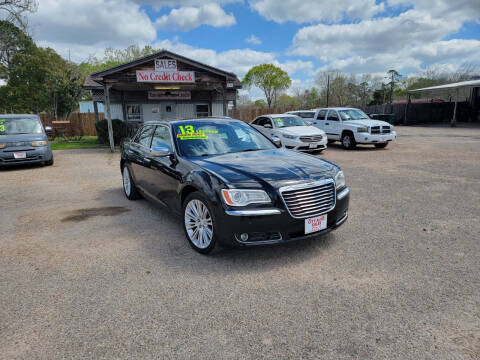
(268, 121)
(257, 121)
(145, 136)
(332, 115)
(162, 138)
(321, 114)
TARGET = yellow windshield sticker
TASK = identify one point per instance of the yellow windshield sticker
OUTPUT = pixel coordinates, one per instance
(279, 121)
(188, 132)
(2, 125)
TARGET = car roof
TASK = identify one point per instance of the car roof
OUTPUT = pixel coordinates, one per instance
(338, 108)
(297, 111)
(275, 115)
(225, 120)
(17, 116)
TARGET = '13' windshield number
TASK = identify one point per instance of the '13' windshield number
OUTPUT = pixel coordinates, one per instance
(188, 129)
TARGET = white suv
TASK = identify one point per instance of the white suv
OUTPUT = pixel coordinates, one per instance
(352, 126)
(292, 131)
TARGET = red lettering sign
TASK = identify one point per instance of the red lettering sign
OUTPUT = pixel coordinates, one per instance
(165, 76)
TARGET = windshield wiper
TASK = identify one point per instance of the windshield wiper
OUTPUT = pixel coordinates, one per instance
(249, 150)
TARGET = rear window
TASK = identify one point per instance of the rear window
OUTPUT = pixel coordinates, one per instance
(17, 126)
(306, 114)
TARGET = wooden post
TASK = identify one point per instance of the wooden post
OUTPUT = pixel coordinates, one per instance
(453, 123)
(406, 109)
(124, 113)
(224, 103)
(106, 90)
(95, 109)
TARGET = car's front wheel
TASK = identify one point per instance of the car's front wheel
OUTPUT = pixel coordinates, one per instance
(199, 223)
(129, 188)
(348, 141)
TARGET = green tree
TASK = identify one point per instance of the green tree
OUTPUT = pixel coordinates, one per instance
(260, 103)
(12, 40)
(14, 10)
(271, 79)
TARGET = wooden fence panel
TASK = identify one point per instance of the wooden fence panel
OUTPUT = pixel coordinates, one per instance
(80, 124)
(248, 114)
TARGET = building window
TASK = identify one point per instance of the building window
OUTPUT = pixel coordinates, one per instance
(202, 110)
(134, 112)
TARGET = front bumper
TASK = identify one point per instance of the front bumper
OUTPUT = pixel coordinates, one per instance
(298, 145)
(366, 138)
(33, 155)
(276, 225)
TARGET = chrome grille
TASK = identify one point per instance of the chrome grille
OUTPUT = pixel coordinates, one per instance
(310, 139)
(308, 200)
(375, 130)
(386, 130)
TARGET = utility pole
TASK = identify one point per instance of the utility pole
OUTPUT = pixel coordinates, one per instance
(391, 88)
(328, 87)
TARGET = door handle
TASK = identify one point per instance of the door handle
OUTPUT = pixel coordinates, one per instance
(327, 123)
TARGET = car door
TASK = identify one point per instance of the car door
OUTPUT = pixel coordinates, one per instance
(333, 125)
(162, 177)
(140, 151)
(260, 123)
(319, 120)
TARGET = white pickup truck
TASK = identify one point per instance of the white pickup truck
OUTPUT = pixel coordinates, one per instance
(352, 126)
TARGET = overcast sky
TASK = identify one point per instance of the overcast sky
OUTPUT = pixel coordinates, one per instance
(302, 36)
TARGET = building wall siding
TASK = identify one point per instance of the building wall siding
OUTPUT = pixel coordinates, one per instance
(217, 108)
(116, 111)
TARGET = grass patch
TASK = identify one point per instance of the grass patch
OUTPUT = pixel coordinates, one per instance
(84, 143)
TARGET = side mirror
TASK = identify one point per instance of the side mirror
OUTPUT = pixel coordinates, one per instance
(159, 151)
(268, 126)
(48, 128)
(276, 141)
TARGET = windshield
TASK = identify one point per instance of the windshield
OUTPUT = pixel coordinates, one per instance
(352, 114)
(204, 138)
(17, 126)
(287, 121)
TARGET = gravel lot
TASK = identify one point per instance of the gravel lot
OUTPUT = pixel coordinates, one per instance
(85, 273)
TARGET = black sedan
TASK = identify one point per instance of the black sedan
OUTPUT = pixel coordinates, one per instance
(231, 184)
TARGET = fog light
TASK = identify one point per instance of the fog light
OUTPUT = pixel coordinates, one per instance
(244, 237)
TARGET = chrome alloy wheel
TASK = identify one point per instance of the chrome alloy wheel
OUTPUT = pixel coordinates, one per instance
(198, 223)
(347, 141)
(127, 183)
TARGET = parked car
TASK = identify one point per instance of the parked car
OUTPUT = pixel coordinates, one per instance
(352, 126)
(23, 140)
(293, 132)
(232, 185)
(306, 115)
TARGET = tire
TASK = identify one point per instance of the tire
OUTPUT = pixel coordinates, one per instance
(381, 146)
(348, 141)
(49, 162)
(129, 187)
(200, 221)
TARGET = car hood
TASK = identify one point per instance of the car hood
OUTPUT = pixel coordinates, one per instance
(278, 167)
(22, 138)
(366, 122)
(302, 130)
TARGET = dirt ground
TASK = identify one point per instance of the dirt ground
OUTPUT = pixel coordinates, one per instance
(87, 274)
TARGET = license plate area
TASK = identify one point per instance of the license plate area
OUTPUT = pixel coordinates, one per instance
(315, 224)
(313, 145)
(20, 155)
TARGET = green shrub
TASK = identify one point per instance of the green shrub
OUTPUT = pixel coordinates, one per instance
(118, 131)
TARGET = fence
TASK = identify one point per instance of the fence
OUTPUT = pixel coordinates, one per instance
(248, 114)
(80, 124)
(424, 113)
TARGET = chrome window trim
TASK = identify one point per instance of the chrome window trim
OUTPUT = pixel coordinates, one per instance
(306, 186)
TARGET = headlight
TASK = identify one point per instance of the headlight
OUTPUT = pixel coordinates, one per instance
(39, 143)
(236, 197)
(286, 136)
(362, 129)
(339, 180)
(2, 146)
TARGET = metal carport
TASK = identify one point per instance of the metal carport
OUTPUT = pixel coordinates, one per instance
(474, 85)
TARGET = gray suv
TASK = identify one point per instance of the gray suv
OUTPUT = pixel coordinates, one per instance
(23, 141)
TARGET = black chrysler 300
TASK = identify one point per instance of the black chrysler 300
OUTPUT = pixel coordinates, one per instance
(231, 184)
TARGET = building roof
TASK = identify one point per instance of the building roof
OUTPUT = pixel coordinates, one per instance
(471, 83)
(90, 84)
(98, 76)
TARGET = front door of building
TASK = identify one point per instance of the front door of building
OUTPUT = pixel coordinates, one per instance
(168, 110)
